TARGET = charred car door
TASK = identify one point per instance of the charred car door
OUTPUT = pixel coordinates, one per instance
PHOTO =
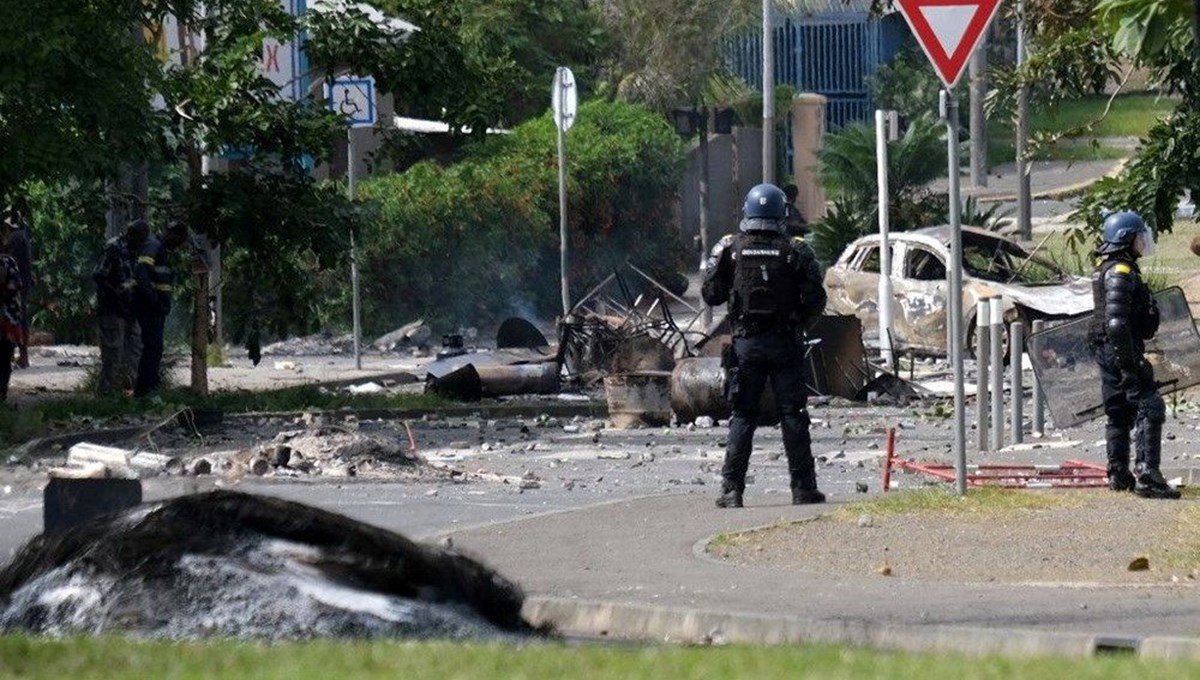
(919, 309)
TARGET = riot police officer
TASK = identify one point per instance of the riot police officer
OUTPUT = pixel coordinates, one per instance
(773, 285)
(1124, 317)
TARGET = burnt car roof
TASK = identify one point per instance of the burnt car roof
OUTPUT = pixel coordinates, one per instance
(942, 233)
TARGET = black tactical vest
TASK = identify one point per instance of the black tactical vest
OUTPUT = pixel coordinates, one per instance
(764, 280)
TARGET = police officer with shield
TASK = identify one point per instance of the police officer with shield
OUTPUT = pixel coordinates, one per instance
(1123, 318)
(773, 285)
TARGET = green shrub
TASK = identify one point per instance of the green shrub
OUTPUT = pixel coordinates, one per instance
(67, 231)
(478, 241)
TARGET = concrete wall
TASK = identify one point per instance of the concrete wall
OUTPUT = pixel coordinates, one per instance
(735, 165)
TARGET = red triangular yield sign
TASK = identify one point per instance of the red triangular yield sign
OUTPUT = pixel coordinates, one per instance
(949, 31)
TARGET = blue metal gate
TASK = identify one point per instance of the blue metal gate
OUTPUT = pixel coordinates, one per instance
(832, 53)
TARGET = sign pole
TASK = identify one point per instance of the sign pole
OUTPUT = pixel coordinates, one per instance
(949, 33)
(562, 220)
(885, 250)
(1024, 194)
(564, 103)
(353, 254)
(354, 99)
(950, 114)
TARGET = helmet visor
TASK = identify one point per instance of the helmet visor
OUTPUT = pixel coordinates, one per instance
(1143, 243)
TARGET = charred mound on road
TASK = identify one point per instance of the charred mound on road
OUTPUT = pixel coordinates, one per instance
(233, 564)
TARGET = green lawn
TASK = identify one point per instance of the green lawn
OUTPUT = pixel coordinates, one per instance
(1172, 262)
(114, 658)
(1130, 116)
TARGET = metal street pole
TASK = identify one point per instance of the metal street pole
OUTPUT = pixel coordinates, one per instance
(983, 338)
(1016, 366)
(1039, 404)
(950, 114)
(1024, 194)
(353, 254)
(768, 85)
(562, 219)
(885, 250)
(978, 82)
(707, 318)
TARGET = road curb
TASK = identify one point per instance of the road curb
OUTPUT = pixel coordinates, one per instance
(1058, 193)
(609, 620)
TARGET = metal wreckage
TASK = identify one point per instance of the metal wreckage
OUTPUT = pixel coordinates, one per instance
(651, 350)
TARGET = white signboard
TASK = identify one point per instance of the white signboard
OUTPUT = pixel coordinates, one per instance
(564, 98)
(282, 61)
(354, 99)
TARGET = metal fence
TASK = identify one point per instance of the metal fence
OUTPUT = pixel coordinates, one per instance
(830, 53)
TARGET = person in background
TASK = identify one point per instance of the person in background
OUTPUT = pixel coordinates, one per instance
(12, 325)
(793, 219)
(152, 302)
(120, 339)
(14, 241)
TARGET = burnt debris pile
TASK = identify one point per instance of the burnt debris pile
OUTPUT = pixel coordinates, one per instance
(233, 564)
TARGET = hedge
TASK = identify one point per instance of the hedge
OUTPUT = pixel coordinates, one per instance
(478, 241)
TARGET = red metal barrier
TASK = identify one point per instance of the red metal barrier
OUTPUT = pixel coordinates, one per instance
(1070, 474)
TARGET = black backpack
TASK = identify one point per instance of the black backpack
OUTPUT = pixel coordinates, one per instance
(764, 279)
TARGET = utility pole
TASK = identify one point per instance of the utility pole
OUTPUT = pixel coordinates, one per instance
(768, 85)
(707, 317)
(978, 122)
(1024, 192)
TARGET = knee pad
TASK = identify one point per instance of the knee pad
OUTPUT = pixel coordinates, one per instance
(1153, 409)
(1122, 419)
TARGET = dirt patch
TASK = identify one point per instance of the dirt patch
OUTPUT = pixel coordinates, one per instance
(1083, 537)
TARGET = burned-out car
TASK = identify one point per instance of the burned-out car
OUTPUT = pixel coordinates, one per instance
(1032, 287)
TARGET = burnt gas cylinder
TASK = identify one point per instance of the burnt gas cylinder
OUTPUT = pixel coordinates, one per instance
(698, 389)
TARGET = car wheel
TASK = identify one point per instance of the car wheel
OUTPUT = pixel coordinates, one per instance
(972, 341)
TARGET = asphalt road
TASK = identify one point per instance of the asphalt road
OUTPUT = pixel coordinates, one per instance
(619, 520)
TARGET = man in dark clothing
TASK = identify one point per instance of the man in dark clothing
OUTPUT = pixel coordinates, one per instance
(1124, 317)
(773, 285)
(14, 241)
(120, 339)
(793, 219)
(152, 302)
(12, 326)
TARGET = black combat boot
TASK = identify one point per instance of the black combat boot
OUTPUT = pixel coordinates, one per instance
(807, 496)
(731, 495)
(1116, 437)
(1151, 484)
(1120, 478)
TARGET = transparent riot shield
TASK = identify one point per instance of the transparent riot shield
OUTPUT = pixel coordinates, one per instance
(1070, 378)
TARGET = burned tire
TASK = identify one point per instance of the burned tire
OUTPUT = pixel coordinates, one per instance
(972, 341)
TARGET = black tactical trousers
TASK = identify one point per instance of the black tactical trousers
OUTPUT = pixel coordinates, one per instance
(6, 361)
(1135, 406)
(773, 356)
(150, 363)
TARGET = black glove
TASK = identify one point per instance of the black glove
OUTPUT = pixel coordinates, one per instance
(1152, 321)
(1135, 377)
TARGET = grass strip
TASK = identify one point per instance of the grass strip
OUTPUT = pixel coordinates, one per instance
(84, 658)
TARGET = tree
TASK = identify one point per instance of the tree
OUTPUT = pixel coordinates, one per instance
(1081, 42)
(487, 63)
(670, 52)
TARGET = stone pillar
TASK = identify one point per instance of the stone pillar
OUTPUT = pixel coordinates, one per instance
(808, 134)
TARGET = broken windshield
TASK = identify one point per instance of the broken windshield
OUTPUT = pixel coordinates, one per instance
(995, 259)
